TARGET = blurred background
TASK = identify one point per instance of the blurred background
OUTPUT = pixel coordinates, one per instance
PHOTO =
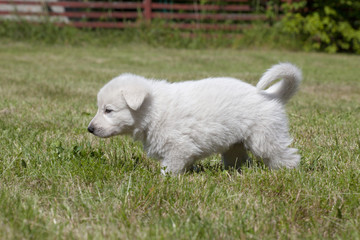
(311, 25)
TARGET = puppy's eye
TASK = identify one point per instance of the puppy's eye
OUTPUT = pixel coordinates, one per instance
(108, 110)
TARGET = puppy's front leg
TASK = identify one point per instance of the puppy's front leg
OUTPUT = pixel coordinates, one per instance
(174, 166)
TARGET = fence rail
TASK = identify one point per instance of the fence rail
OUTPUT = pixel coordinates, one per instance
(229, 15)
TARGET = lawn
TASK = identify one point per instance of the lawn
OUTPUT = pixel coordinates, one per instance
(57, 181)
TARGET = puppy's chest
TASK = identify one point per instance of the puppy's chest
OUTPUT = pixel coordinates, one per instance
(153, 151)
(159, 142)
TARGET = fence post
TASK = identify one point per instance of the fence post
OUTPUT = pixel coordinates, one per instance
(147, 10)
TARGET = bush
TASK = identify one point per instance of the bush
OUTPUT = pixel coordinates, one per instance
(330, 26)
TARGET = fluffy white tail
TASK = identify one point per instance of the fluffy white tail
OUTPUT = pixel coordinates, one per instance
(290, 77)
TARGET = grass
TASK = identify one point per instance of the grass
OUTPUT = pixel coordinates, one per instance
(157, 34)
(59, 182)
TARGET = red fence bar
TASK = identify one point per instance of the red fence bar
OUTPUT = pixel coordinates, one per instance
(206, 26)
(98, 14)
(197, 16)
(93, 15)
(200, 7)
(111, 5)
(230, 15)
(101, 24)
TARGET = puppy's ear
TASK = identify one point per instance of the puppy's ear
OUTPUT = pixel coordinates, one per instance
(135, 97)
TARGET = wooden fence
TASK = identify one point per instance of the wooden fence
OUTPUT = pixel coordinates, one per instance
(213, 15)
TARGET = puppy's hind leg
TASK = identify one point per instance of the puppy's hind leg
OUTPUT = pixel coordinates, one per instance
(274, 150)
(285, 157)
(235, 156)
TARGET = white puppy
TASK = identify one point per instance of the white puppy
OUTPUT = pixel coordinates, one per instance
(179, 123)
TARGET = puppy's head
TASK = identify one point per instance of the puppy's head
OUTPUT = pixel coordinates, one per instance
(118, 102)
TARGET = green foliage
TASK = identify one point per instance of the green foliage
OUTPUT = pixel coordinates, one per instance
(329, 26)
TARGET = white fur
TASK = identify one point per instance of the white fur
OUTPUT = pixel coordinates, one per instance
(179, 123)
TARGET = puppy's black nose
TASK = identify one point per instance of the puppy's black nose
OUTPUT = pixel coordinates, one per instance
(91, 129)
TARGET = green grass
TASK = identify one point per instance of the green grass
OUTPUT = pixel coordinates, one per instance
(59, 182)
(157, 34)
